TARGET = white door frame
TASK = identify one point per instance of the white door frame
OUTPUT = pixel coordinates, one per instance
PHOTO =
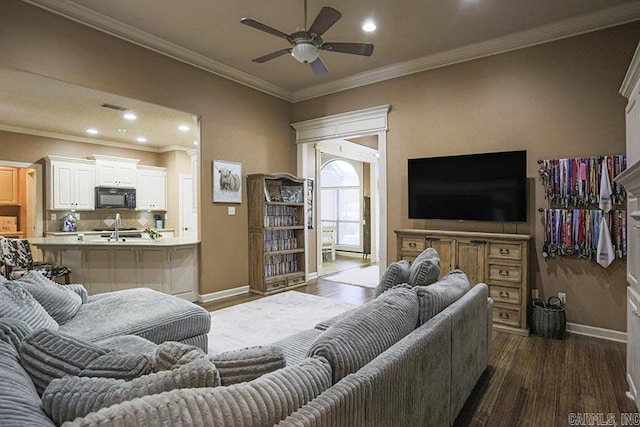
(323, 130)
(181, 177)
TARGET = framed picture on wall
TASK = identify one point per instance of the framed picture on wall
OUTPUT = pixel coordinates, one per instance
(227, 182)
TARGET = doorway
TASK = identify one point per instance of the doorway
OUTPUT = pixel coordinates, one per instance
(345, 216)
(326, 132)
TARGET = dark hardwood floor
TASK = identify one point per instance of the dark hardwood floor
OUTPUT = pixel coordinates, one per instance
(530, 381)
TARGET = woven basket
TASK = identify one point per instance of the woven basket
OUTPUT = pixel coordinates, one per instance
(548, 319)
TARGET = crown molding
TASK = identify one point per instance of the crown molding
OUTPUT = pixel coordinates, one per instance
(591, 22)
(100, 22)
(632, 76)
(568, 28)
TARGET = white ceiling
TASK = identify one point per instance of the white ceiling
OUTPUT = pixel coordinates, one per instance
(38, 105)
(411, 36)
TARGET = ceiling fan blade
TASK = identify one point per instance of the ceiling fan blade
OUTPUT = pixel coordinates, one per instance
(267, 29)
(271, 55)
(318, 67)
(364, 49)
(325, 19)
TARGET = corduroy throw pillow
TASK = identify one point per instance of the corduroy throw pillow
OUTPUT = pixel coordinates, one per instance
(61, 302)
(357, 339)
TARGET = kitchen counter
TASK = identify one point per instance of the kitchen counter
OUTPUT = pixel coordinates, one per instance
(96, 240)
(168, 232)
(168, 264)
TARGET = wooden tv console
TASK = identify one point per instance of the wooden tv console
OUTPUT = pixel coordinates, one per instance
(499, 260)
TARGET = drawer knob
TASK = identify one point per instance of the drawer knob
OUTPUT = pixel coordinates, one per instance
(503, 273)
(504, 294)
(504, 251)
(504, 315)
(412, 244)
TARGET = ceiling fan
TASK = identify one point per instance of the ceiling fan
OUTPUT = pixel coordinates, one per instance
(307, 43)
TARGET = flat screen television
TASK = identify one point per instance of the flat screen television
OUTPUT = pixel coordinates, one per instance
(479, 187)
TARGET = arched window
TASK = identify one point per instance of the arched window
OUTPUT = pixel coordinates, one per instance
(341, 202)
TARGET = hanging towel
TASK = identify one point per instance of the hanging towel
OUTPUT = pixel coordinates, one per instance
(606, 254)
(605, 188)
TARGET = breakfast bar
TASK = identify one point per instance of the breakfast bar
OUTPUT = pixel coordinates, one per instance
(167, 264)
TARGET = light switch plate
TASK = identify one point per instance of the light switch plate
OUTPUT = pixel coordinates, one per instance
(54, 217)
(231, 210)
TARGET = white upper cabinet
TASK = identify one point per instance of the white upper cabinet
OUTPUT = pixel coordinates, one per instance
(151, 190)
(115, 171)
(70, 184)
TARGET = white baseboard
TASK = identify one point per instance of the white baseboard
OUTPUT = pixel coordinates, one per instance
(215, 296)
(592, 331)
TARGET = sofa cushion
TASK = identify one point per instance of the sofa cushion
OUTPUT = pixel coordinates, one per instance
(61, 302)
(128, 344)
(246, 364)
(150, 314)
(123, 366)
(261, 402)
(47, 355)
(13, 331)
(20, 404)
(70, 397)
(295, 347)
(435, 298)
(396, 273)
(372, 328)
(16, 302)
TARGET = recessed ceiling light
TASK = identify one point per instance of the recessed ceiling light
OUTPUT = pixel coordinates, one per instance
(369, 26)
(92, 131)
(183, 128)
(141, 139)
(195, 142)
(129, 115)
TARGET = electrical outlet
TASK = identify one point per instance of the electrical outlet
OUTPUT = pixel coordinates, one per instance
(534, 293)
(54, 217)
(563, 297)
(231, 210)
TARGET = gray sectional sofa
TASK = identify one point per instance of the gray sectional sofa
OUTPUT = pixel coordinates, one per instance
(410, 357)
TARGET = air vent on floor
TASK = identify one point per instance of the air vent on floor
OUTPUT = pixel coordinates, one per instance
(114, 107)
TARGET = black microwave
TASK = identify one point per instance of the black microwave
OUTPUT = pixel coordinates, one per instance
(115, 198)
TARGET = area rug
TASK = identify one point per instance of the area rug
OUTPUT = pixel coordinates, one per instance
(367, 277)
(269, 319)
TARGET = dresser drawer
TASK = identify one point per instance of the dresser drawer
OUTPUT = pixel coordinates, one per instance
(506, 316)
(511, 251)
(272, 286)
(505, 294)
(415, 244)
(505, 273)
(292, 281)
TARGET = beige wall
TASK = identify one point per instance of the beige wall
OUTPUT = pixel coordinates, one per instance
(238, 123)
(555, 100)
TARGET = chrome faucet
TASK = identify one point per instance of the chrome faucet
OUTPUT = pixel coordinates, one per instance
(117, 225)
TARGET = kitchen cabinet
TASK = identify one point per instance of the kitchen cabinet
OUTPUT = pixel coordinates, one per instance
(151, 190)
(115, 171)
(8, 186)
(71, 184)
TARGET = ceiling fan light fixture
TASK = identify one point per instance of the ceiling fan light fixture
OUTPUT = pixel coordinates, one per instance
(305, 52)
